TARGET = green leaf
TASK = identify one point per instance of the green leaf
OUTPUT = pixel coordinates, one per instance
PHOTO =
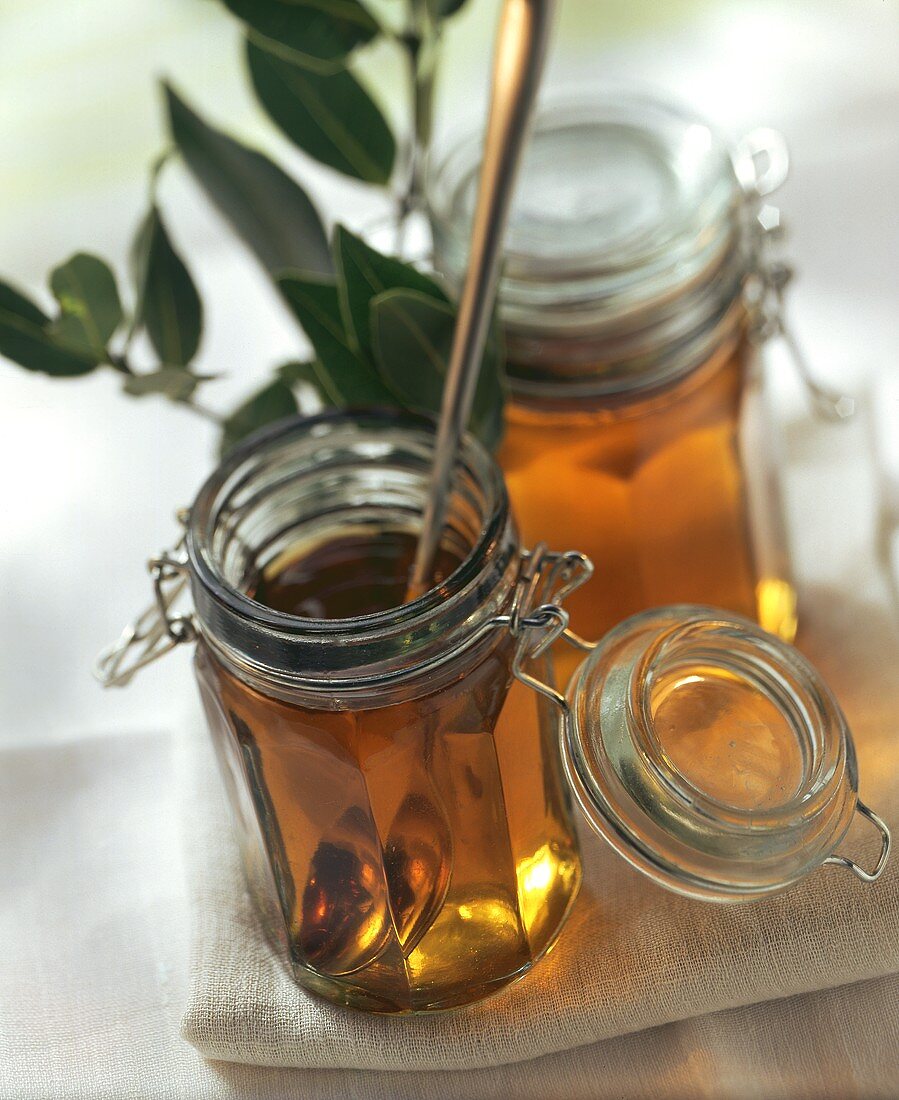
(296, 373)
(269, 211)
(25, 339)
(412, 335)
(88, 297)
(272, 403)
(317, 34)
(168, 305)
(443, 9)
(171, 382)
(345, 377)
(331, 117)
(14, 303)
(364, 273)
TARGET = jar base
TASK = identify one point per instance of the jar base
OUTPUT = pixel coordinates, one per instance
(346, 994)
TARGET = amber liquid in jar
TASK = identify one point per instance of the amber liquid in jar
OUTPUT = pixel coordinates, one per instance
(652, 489)
(423, 853)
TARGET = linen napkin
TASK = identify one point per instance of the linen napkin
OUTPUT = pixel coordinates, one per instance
(632, 954)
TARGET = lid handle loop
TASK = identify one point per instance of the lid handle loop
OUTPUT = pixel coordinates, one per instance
(885, 845)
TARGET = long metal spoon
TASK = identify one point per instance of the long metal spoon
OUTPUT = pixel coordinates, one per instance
(518, 63)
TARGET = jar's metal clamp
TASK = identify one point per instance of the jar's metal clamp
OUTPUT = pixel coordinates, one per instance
(539, 624)
(158, 629)
(761, 162)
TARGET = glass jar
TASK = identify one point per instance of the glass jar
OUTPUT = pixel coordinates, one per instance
(398, 779)
(401, 808)
(635, 291)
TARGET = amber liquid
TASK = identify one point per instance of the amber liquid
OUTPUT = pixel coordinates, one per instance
(653, 491)
(422, 851)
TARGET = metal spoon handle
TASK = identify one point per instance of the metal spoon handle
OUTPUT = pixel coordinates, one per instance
(518, 62)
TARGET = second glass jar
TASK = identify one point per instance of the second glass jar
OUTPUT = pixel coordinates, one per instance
(632, 297)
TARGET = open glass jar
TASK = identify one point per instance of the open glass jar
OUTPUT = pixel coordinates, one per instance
(398, 777)
(637, 287)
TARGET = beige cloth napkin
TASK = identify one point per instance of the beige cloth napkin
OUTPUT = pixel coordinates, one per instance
(632, 955)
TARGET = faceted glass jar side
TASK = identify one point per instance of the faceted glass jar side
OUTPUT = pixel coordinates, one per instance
(674, 493)
(398, 796)
(422, 854)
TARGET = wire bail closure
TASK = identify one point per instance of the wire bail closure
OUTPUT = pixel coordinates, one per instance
(157, 630)
(761, 163)
(545, 578)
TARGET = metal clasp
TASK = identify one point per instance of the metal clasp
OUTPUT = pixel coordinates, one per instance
(157, 630)
(776, 275)
(761, 163)
(545, 580)
(885, 845)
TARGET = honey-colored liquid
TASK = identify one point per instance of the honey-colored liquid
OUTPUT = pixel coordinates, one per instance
(652, 489)
(342, 578)
(422, 852)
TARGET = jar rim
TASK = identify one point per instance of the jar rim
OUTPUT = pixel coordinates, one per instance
(802, 697)
(293, 647)
(585, 309)
(601, 111)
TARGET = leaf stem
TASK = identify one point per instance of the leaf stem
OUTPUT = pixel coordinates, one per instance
(422, 45)
(203, 410)
(120, 363)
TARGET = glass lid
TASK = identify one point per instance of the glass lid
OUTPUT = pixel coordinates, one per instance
(622, 202)
(711, 755)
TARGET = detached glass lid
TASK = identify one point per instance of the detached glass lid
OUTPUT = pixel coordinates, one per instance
(712, 756)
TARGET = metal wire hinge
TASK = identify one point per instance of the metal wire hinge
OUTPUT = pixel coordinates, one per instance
(827, 403)
(157, 630)
(761, 163)
(546, 578)
(537, 619)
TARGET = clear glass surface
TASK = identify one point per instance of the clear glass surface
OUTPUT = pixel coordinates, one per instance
(626, 236)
